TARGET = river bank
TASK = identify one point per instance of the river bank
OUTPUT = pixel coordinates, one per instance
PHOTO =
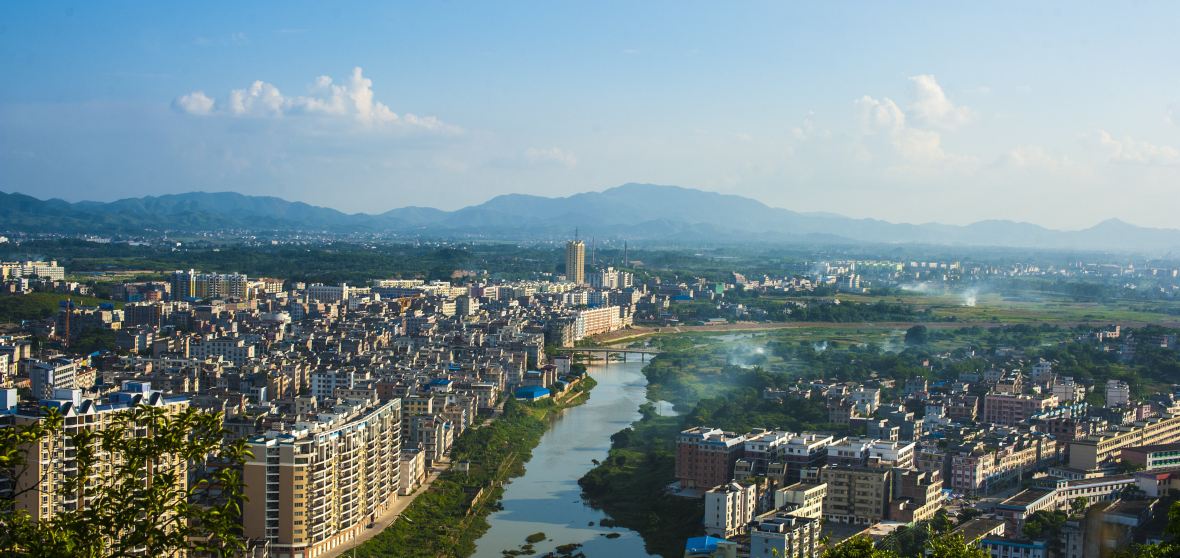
(448, 517)
(547, 499)
(697, 377)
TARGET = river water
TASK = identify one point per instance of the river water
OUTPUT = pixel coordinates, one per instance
(547, 497)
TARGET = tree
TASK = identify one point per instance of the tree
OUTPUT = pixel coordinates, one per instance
(1166, 549)
(859, 546)
(141, 505)
(967, 514)
(917, 335)
(953, 546)
(1078, 506)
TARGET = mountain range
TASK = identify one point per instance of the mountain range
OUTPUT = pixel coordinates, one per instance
(634, 211)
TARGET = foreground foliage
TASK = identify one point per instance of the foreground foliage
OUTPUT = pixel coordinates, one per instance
(130, 514)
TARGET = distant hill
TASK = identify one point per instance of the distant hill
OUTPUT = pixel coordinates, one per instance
(639, 211)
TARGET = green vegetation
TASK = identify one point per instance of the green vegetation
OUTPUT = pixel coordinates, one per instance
(205, 518)
(38, 306)
(943, 546)
(695, 375)
(718, 380)
(1169, 548)
(451, 515)
(326, 262)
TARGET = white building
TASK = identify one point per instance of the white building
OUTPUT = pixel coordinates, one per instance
(324, 384)
(1117, 393)
(782, 535)
(1066, 390)
(49, 376)
(233, 349)
(328, 293)
(44, 270)
(802, 499)
(729, 509)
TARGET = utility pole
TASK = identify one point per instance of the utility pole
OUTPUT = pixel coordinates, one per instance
(69, 311)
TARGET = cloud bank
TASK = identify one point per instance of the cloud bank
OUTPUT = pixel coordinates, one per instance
(352, 99)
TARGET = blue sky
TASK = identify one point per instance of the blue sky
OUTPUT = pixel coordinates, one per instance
(1062, 114)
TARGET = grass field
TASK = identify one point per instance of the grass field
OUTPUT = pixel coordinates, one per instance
(1032, 308)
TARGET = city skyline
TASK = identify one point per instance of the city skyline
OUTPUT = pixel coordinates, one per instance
(847, 111)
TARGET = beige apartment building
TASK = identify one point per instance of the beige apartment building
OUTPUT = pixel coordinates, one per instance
(318, 486)
(1089, 452)
(52, 461)
(856, 495)
(575, 262)
(802, 499)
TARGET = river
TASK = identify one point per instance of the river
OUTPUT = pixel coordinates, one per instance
(547, 497)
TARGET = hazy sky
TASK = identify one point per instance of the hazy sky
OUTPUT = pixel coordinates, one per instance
(1062, 114)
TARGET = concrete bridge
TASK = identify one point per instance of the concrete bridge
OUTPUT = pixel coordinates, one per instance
(593, 353)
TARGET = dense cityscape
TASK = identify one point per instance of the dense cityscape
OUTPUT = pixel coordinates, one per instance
(352, 401)
(389, 279)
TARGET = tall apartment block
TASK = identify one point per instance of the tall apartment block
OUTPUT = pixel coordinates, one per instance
(705, 457)
(54, 457)
(575, 261)
(317, 486)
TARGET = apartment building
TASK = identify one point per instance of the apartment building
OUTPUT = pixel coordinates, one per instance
(328, 293)
(594, 321)
(325, 383)
(802, 499)
(314, 488)
(729, 509)
(869, 451)
(1118, 393)
(1009, 409)
(806, 450)
(233, 349)
(1158, 456)
(857, 495)
(52, 460)
(705, 457)
(917, 495)
(40, 269)
(191, 284)
(980, 468)
(46, 377)
(1091, 451)
(783, 535)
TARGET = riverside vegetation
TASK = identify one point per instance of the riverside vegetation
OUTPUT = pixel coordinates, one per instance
(451, 514)
(718, 381)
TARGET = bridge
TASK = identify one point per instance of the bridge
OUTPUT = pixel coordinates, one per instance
(606, 352)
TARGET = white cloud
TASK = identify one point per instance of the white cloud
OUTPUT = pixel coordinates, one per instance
(932, 107)
(880, 114)
(353, 99)
(913, 144)
(1129, 150)
(916, 144)
(551, 155)
(1172, 116)
(260, 99)
(1037, 158)
(196, 102)
(806, 129)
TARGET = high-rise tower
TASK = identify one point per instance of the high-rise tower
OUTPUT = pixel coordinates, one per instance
(575, 261)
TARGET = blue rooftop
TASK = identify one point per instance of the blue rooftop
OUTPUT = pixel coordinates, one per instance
(531, 392)
(700, 545)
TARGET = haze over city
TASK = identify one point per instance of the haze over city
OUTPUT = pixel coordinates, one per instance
(1064, 115)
